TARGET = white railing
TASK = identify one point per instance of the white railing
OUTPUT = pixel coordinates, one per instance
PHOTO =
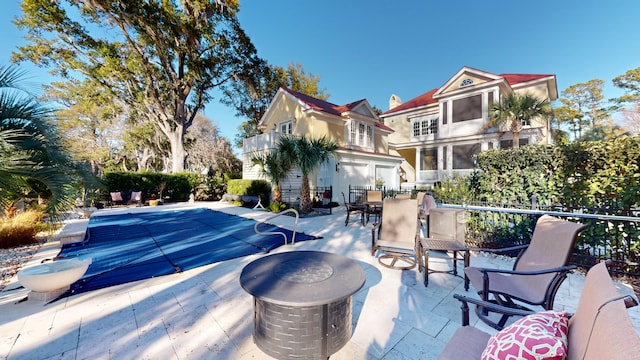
(260, 142)
(295, 226)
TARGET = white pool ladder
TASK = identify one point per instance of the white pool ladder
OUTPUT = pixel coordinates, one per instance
(295, 226)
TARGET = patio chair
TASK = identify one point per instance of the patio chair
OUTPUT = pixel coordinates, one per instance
(374, 204)
(446, 234)
(426, 204)
(396, 235)
(599, 329)
(402, 196)
(136, 198)
(537, 273)
(116, 198)
(353, 208)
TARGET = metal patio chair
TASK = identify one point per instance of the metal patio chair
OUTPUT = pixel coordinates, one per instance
(539, 269)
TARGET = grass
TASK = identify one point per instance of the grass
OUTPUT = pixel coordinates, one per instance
(21, 228)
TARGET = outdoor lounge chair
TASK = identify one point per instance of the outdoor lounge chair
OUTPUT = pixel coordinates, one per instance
(395, 236)
(537, 273)
(136, 198)
(599, 329)
(353, 208)
(116, 198)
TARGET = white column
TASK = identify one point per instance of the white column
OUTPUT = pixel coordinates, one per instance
(418, 164)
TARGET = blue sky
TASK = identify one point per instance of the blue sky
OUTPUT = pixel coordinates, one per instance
(372, 49)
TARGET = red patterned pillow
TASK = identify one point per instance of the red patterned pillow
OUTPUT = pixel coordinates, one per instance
(542, 335)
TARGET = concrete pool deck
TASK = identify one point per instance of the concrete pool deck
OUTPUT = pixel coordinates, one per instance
(204, 313)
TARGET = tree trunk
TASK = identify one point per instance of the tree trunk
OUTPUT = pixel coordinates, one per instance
(277, 194)
(305, 197)
(516, 140)
(176, 140)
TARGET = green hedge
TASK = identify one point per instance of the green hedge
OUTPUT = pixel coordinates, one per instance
(600, 174)
(260, 188)
(173, 187)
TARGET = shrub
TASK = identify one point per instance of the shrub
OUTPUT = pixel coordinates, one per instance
(241, 187)
(21, 229)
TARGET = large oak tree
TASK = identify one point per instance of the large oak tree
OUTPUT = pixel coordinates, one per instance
(161, 56)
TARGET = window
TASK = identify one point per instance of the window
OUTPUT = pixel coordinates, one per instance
(429, 159)
(526, 122)
(424, 126)
(361, 134)
(463, 156)
(469, 108)
(466, 82)
(508, 144)
(286, 127)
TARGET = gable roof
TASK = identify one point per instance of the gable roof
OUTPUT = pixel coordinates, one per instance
(422, 100)
(330, 108)
(428, 97)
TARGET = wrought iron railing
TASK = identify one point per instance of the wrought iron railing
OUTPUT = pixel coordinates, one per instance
(321, 196)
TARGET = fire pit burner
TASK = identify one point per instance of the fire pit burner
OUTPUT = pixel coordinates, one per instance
(302, 302)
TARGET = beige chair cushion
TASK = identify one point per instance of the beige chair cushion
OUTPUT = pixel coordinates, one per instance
(467, 343)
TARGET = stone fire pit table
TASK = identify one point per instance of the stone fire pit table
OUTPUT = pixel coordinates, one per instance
(302, 302)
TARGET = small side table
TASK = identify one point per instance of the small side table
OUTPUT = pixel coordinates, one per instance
(453, 245)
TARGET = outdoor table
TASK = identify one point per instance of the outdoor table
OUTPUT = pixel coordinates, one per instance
(373, 207)
(302, 302)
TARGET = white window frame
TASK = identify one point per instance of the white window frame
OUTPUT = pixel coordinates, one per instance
(424, 126)
(286, 127)
(361, 134)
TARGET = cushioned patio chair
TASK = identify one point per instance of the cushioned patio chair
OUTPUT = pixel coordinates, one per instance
(599, 329)
(539, 269)
(353, 208)
(396, 235)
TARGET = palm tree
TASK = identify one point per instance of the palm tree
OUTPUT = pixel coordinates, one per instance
(31, 160)
(306, 154)
(273, 166)
(514, 110)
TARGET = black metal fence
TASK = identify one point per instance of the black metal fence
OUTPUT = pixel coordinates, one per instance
(322, 197)
(612, 234)
(358, 194)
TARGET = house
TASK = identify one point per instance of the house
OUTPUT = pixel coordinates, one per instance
(438, 132)
(362, 158)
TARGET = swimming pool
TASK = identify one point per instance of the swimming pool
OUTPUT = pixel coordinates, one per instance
(136, 246)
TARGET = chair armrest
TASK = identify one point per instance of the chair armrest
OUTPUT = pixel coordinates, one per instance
(501, 250)
(493, 307)
(536, 272)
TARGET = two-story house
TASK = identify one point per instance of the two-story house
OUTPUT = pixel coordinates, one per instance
(362, 157)
(438, 132)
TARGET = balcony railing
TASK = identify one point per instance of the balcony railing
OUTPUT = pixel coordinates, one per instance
(261, 142)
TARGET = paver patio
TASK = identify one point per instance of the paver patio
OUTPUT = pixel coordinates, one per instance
(204, 313)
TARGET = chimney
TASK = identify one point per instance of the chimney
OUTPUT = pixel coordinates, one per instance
(394, 101)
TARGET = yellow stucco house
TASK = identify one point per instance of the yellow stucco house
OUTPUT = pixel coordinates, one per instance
(438, 132)
(362, 158)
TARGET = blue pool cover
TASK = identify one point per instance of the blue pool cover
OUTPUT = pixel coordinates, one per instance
(130, 247)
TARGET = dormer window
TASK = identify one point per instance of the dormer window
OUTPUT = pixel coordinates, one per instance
(466, 82)
(361, 134)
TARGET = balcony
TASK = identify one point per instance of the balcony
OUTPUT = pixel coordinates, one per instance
(261, 142)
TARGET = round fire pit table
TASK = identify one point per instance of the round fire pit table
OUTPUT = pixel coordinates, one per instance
(302, 302)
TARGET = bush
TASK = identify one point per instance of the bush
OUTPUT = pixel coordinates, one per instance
(21, 229)
(173, 187)
(242, 187)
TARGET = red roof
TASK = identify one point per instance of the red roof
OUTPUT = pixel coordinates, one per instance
(321, 105)
(424, 99)
(427, 98)
(520, 78)
(325, 106)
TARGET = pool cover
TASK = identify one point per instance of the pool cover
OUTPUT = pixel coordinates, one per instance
(130, 247)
